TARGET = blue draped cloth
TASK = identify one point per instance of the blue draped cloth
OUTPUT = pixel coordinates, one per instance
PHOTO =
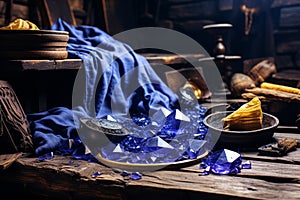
(113, 80)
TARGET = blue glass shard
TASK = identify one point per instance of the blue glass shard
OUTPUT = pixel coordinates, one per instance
(203, 165)
(196, 145)
(153, 158)
(155, 143)
(204, 173)
(96, 174)
(124, 173)
(174, 121)
(70, 162)
(143, 120)
(135, 176)
(246, 165)
(160, 116)
(158, 142)
(180, 116)
(132, 144)
(110, 118)
(223, 162)
(118, 149)
(167, 134)
(46, 156)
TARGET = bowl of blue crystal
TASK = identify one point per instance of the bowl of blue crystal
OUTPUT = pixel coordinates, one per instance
(240, 139)
(100, 132)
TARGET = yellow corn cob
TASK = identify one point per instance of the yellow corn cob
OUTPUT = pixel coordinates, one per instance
(282, 88)
(247, 117)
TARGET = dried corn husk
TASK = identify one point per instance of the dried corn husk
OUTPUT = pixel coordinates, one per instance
(247, 117)
(278, 87)
(272, 95)
(20, 24)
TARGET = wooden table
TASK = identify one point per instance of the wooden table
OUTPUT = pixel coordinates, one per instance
(269, 178)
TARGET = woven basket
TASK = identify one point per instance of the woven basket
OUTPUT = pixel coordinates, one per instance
(14, 128)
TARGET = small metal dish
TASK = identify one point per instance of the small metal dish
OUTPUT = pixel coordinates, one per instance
(95, 130)
(241, 139)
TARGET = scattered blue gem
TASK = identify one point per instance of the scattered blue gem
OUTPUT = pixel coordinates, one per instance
(246, 165)
(135, 176)
(71, 162)
(46, 156)
(223, 162)
(206, 171)
(96, 174)
(141, 120)
(167, 136)
(124, 173)
(194, 147)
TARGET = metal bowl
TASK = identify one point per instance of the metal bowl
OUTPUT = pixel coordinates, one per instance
(99, 132)
(241, 139)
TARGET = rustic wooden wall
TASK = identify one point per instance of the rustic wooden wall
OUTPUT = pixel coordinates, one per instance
(186, 16)
(286, 15)
(189, 16)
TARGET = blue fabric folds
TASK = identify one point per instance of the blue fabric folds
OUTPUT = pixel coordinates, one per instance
(113, 80)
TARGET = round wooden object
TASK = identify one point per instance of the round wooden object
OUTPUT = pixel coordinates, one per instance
(240, 82)
(261, 71)
(33, 44)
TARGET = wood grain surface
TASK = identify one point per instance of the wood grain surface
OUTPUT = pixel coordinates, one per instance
(269, 178)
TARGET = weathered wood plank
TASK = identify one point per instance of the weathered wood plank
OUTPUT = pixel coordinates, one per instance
(292, 157)
(7, 159)
(281, 3)
(171, 59)
(57, 177)
(23, 65)
(268, 179)
(200, 9)
(290, 16)
(253, 183)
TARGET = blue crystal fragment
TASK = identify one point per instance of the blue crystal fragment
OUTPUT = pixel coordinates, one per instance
(160, 116)
(135, 176)
(176, 120)
(118, 149)
(155, 143)
(202, 165)
(165, 136)
(223, 162)
(192, 155)
(246, 165)
(124, 173)
(204, 173)
(46, 156)
(194, 147)
(143, 120)
(71, 162)
(132, 144)
(96, 174)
